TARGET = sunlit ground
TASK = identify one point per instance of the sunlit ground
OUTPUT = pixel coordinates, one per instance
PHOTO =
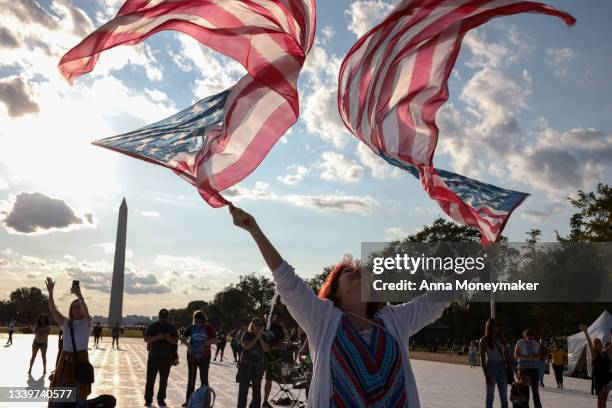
(122, 373)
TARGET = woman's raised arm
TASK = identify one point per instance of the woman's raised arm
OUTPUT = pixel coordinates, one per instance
(55, 314)
(301, 301)
(248, 223)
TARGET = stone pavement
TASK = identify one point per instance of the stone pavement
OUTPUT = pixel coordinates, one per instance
(122, 373)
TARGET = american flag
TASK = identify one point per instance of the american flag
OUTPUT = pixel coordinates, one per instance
(392, 83)
(270, 38)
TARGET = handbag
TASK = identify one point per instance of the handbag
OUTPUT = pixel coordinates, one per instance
(509, 372)
(83, 372)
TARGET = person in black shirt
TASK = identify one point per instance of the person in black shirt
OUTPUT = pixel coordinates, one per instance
(252, 364)
(97, 333)
(221, 343)
(275, 338)
(161, 338)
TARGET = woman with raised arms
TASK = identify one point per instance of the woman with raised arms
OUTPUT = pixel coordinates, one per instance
(359, 350)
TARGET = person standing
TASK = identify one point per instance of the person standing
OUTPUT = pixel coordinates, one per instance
(252, 364)
(116, 332)
(11, 330)
(160, 337)
(76, 328)
(602, 379)
(558, 359)
(544, 352)
(234, 344)
(275, 337)
(493, 361)
(41, 336)
(221, 343)
(97, 333)
(472, 354)
(198, 336)
(527, 353)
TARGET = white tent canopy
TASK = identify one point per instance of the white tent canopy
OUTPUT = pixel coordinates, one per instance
(577, 345)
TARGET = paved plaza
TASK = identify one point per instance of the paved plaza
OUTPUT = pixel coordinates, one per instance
(122, 373)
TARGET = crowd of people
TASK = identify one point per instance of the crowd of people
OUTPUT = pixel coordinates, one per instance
(521, 365)
(357, 353)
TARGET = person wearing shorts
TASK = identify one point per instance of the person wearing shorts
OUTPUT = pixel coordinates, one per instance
(41, 335)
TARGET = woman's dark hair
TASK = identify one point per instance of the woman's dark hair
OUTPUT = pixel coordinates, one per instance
(489, 331)
(372, 308)
(198, 314)
(528, 333)
(45, 320)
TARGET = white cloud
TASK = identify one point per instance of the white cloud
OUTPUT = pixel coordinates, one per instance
(148, 214)
(335, 203)
(4, 185)
(109, 248)
(328, 32)
(319, 97)
(335, 166)
(34, 213)
(558, 59)
(395, 233)
(365, 14)
(542, 213)
(191, 274)
(294, 178)
(379, 168)
(216, 72)
(490, 139)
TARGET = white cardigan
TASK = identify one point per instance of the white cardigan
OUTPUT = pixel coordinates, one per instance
(319, 318)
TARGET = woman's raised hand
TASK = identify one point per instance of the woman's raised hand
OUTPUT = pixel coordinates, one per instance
(50, 284)
(242, 219)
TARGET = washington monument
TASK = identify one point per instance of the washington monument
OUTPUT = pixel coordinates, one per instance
(116, 301)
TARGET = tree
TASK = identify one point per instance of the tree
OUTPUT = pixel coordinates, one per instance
(259, 289)
(533, 235)
(445, 231)
(28, 304)
(593, 221)
(317, 281)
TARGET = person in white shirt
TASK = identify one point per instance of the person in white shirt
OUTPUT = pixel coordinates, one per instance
(338, 316)
(79, 322)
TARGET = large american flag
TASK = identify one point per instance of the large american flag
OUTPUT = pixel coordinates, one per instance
(270, 38)
(392, 83)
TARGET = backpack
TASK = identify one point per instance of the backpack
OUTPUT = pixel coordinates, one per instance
(203, 397)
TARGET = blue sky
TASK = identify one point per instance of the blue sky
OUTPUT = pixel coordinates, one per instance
(529, 110)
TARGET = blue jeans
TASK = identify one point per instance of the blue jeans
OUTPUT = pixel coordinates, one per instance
(472, 357)
(541, 370)
(497, 375)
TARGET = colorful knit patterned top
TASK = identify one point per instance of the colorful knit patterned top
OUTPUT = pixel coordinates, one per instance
(366, 373)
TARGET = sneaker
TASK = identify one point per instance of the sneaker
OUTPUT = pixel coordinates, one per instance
(148, 403)
(161, 404)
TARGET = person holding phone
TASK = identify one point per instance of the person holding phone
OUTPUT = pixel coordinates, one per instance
(252, 363)
(76, 329)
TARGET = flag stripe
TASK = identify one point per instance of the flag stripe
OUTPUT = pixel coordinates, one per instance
(270, 38)
(392, 83)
